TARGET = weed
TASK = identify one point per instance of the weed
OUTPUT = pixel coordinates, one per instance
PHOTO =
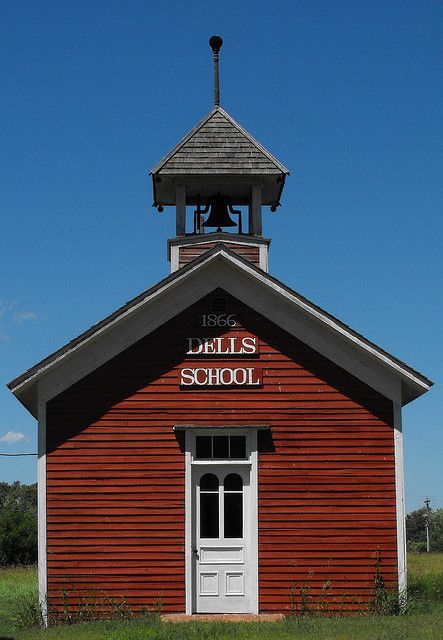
(158, 604)
(18, 598)
(379, 586)
(88, 605)
(292, 600)
(303, 610)
(304, 600)
(386, 602)
(24, 610)
(322, 606)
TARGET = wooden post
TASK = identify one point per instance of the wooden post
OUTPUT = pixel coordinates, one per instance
(180, 205)
(255, 220)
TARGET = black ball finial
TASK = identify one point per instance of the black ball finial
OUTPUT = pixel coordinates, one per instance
(215, 42)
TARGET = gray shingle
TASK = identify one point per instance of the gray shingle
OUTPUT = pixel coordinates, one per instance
(217, 145)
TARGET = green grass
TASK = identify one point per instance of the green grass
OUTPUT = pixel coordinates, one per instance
(363, 628)
(421, 564)
(425, 579)
(18, 598)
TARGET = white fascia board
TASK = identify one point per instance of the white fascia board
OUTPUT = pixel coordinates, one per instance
(298, 321)
(124, 332)
(378, 356)
(255, 289)
(112, 338)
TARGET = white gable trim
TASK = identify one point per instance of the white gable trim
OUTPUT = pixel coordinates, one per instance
(298, 321)
(330, 322)
(225, 270)
(91, 338)
(124, 331)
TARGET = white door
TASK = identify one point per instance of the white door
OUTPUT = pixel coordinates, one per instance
(222, 571)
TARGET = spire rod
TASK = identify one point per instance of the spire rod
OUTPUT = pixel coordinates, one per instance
(215, 42)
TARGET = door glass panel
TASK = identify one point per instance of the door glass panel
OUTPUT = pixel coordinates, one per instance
(221, 446)
(209, 515)
(209, 482)
(203, 447)
(233, 506)
(209, 506)
(233, 482)
(233, 515)
(238, 447)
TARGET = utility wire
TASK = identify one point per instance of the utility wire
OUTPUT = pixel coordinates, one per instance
(18, 454)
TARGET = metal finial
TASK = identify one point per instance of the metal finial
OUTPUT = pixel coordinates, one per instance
(215, 42)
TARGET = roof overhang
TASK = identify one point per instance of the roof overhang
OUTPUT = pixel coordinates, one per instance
(200, 187)
(206, 174)
(193, 427)
(219, 268)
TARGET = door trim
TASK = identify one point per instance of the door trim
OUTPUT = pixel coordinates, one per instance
(189, 516)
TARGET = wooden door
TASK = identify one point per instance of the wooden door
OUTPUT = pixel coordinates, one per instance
(222, 537)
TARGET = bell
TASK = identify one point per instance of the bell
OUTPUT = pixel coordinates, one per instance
(218, 215)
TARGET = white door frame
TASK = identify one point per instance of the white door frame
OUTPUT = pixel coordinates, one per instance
(252, 462)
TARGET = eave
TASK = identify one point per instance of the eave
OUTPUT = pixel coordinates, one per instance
(28, 386)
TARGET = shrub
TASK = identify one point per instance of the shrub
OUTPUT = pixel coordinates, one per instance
(18, 524)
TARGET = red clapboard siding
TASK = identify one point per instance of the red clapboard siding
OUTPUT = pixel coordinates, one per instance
(115, 472)
(190, 252)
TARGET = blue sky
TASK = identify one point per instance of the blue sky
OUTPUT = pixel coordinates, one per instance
(347, 94)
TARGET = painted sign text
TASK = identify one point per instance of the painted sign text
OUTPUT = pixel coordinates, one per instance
(222, 346)
(220, 377)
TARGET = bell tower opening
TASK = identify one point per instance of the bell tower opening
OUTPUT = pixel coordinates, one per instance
(218, 178)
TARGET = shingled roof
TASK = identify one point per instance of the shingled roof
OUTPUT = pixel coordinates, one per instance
(219, 145)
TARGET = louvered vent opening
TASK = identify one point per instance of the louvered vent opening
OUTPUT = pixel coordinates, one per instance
(219, 305)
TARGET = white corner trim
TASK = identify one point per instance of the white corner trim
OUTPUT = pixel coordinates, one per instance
(254, 522)
(41, 493)
(400, 502)
(264, 257)
(188, 527)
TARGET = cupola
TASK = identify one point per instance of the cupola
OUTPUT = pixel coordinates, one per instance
(218, 178)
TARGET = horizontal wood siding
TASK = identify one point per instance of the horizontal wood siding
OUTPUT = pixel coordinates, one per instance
(190, 252)
(115, 473)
